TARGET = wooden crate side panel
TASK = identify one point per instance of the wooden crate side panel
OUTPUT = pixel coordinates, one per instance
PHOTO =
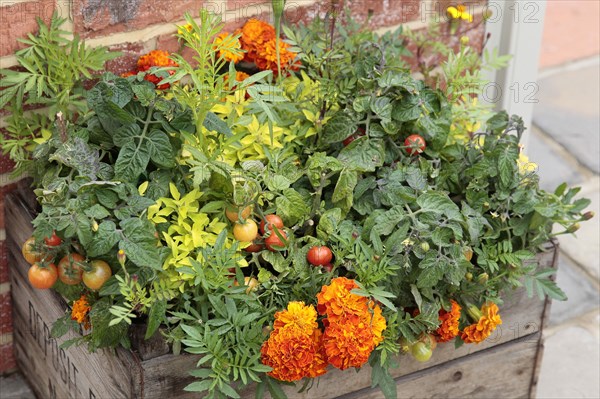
(54, 372)
(504, 371)
(167, 375)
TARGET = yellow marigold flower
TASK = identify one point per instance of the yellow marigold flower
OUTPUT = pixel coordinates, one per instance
(80, 312)
(294, 349)
(378, 325)
(184, 28)
(459, 12)
(487, 322)
(297, 315)
(448, 328)
(229, 47)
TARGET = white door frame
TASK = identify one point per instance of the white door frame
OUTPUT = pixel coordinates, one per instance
(516, 28)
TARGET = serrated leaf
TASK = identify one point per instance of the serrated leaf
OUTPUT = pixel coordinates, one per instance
(338, 128)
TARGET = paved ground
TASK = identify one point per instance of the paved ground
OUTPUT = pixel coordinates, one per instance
(564, 143)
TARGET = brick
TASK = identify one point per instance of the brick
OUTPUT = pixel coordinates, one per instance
(260, 5)
(3, 262)
(128, 61)
(381, 13)
(7, 358)
(17, 19)
(93, 18)
(6, 164)
(6, 324)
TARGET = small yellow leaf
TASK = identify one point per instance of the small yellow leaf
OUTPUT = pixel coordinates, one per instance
(143, 187)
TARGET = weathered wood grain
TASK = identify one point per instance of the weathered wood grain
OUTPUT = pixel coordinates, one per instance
(503, 371)
(149, 373)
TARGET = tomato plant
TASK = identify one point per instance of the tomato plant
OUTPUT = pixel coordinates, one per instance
(271, 222)
(69, 269)
(96, 276)
(420, 351)
(273, 242)
(319, 256)
(245, 232)
(42, 277)
(233, 213)
(359, 133)
(30, 253)
(53, 240)
(254, 247)
(414, 144)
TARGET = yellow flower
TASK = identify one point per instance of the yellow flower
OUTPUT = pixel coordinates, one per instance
(184, 28)
(459, 12)
(487, 319)
(230, 48)
(526, 167)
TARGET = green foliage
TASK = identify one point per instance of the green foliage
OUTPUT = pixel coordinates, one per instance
(53, 69)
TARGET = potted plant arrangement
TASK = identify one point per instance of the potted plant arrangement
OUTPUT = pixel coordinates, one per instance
(325, 209)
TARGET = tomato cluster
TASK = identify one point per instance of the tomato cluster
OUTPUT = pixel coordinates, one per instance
(271, 234)
(72, 268)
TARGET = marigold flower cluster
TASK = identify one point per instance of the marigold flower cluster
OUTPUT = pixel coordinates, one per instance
(294, 349)
(258, 39)
(448, 328)
(353, 324)
(489, 319)
(155, 58)
(80, 312)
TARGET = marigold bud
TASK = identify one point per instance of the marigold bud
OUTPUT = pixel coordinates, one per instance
(573, 228)
(588, 215)
(483, 278)
(121, 257)
(469, 276)
(464, 40)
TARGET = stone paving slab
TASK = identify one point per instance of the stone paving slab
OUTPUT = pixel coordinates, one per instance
(568, 111)
(582, 293)
(584, 248)
(14, 386)
(555, 166)
(571, 362)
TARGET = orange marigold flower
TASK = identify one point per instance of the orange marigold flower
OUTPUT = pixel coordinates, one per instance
(155, 58)
(448, 328)
(253, 36)
(230, 47)
(347, 343)
(294, 349)
(354, 324)
(266, 56)
(80, 312)
(128, 74)
(488, 320)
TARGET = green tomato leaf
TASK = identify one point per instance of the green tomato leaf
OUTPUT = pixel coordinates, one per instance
(132, 161)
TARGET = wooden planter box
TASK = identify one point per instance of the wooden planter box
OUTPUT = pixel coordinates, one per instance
(505, 365)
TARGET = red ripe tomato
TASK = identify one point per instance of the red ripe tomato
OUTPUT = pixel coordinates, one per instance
(42, 277)
(53, 240)
(273, 242)
(254, 247)
(29, 252)
(415, 144)
(233, 213)
(69, 269)
(319, 256)
(359, 133)
(245, 232)
(272, 221)
(95, 278)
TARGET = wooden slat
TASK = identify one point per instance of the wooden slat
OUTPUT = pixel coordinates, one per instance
(55, 372)
(503, 371)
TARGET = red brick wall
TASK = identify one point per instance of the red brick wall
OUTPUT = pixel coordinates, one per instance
(138, 26)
